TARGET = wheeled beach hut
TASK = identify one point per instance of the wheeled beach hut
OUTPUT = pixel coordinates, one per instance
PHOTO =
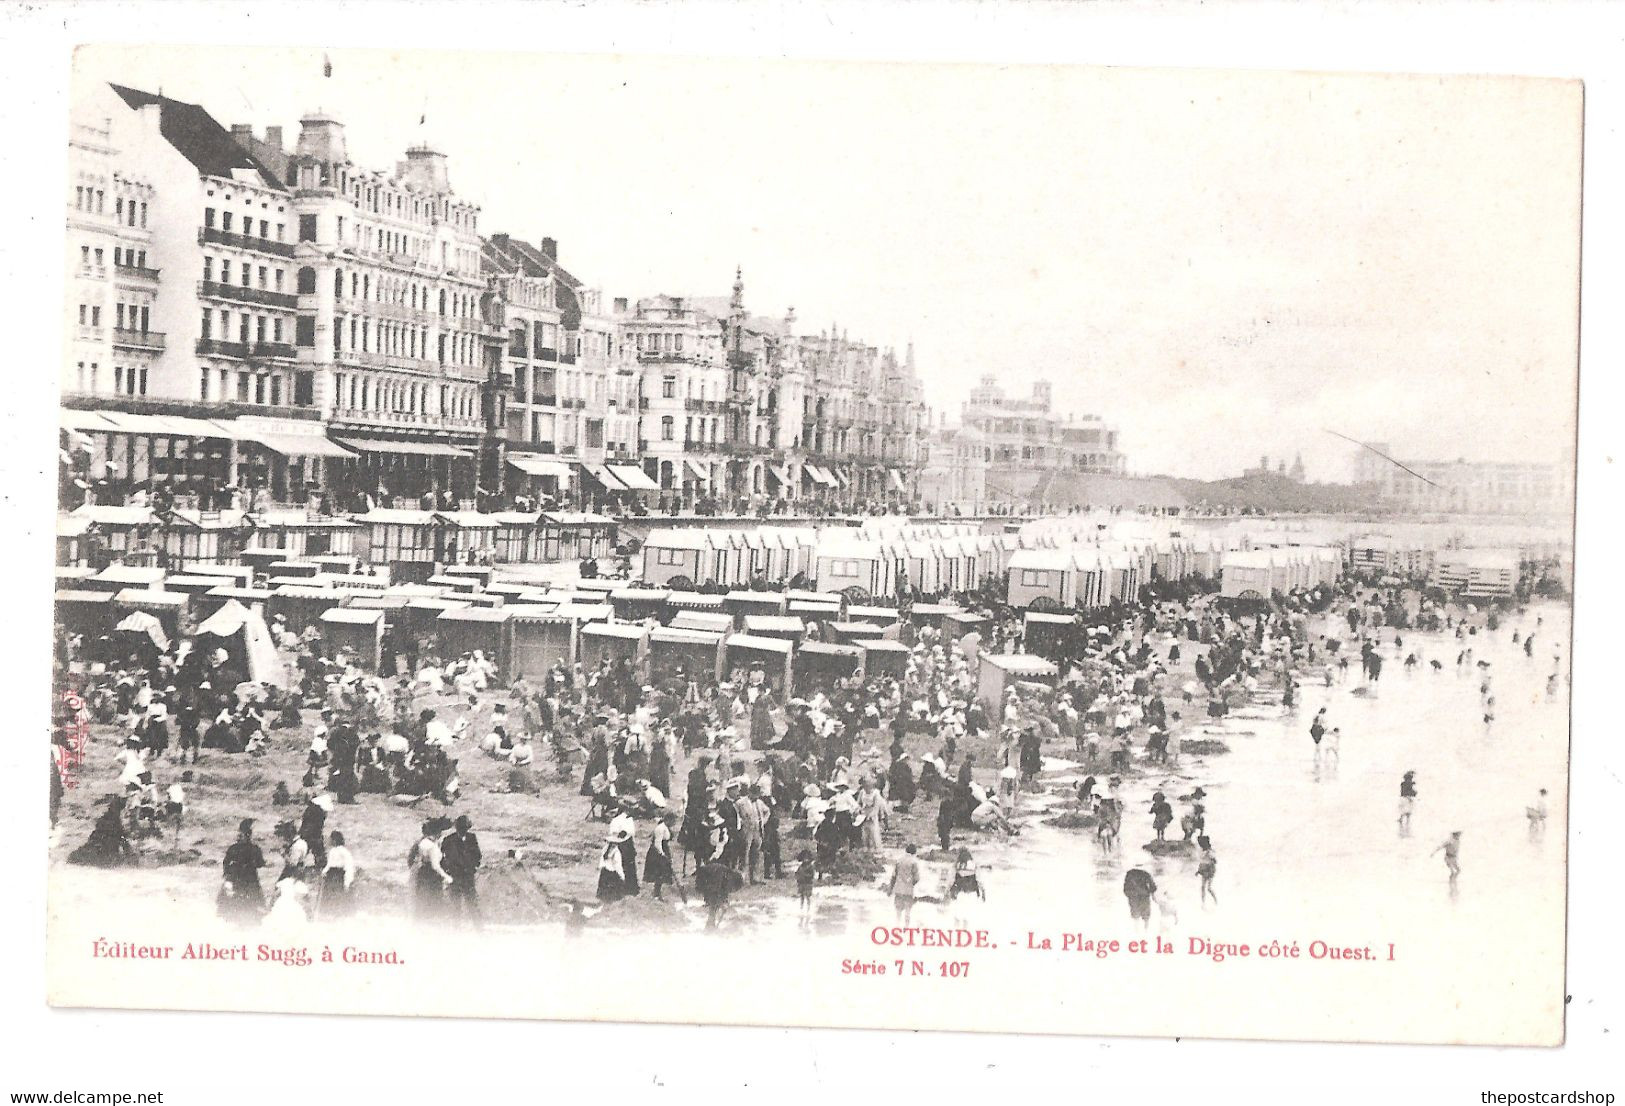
(616, 641)
(841, 563)
(880, 616)
(638, 604)
(697, 652)
(773, 654)
(1043, 576)
(539, 637)
(997, 672)
(707, 621)
(679, 603)
(573, 535)
(741, 604)
(684, 558)
(461, 586)
(404, 540)
(468, 629)
(211, 601)
(515, 540)
(1046, 634)
(784, 627)
(118, 530)
(301, 605)
(851, 633)
(884, 657)
(89, 613)
(358, 630)
(460, 534)
(116, 578)
(932, 614)
(238, 576)
(203, 537)
(301, 534)
(819, 666)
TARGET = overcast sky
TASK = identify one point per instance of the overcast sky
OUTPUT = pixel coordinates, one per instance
(1223, 265)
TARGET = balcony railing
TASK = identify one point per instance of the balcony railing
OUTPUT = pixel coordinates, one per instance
(215, 347)
(137, 272)
(237, 292)
(138, 339)
(567, 359)
(546, 353)
(245, 242)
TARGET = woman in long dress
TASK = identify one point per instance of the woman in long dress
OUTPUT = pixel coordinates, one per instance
(657, 869)
(429, 879)
(611, 870)
(338, 879)
(241, 899)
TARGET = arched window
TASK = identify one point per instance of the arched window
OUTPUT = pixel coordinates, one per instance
(307, 280)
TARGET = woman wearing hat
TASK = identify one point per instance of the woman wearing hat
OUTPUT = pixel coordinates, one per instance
(612, 867)
(241, 899)
(657, 869)
(429, 879)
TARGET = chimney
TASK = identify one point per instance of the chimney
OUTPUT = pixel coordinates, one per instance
(273, 137)
(322, 139)
(425, 167)
(620, 305)
(243, 133)
(550, 249)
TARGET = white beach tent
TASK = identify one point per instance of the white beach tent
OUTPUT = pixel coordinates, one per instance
(265, 664)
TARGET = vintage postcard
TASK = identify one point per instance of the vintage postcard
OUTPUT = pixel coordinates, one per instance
(957, 547)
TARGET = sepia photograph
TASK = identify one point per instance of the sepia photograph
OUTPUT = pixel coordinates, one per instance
(1033, 548)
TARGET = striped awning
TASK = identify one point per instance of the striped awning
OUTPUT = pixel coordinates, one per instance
(633, 477)
(604, 477)
(534, 464)
(398, 448)
(298, 445)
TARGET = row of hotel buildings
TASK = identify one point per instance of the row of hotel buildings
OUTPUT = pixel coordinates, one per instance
(248, 318)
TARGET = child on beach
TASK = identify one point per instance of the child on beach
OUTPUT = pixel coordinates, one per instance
(1451, 847)
(806, 875)
(1207, 865)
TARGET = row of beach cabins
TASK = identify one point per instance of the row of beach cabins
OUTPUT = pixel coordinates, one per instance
(1049, 565)
(802, 639)
(410, 543)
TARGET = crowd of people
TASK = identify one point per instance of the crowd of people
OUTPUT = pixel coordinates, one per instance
(742, 779)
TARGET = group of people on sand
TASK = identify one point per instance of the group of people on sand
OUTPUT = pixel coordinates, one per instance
(736, 778)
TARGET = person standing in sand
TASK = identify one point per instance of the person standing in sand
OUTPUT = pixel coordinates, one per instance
(905, 878)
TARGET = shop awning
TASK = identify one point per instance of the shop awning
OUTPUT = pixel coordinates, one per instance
(534, 464)
(82, 420)
(634, 478)
(697, 471)
(819, 475)
(384, 445)
(197, 428)
(843, 476)
(297, 445)
(897, 480)
(604, 477)
(129, 422)
(781, 473)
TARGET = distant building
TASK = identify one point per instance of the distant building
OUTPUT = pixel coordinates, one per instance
(1030, 434)
(1461, 486)
(1294, 474)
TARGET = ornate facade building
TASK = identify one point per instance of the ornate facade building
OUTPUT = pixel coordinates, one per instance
(252, 324)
